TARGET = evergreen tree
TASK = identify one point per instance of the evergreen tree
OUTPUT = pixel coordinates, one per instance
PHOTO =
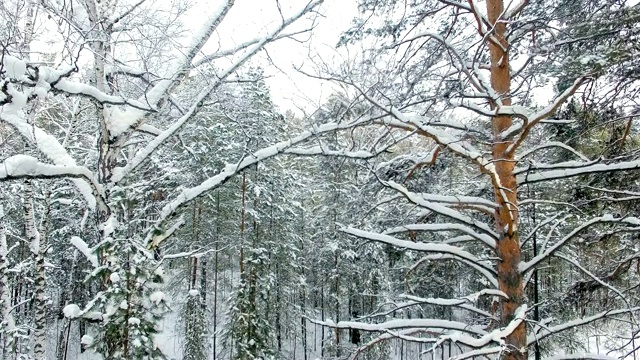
(195, 328)
(249, 331)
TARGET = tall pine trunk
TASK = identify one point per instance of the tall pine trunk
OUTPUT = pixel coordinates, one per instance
(508, 246)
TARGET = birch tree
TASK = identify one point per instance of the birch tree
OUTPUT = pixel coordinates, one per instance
(136, 112)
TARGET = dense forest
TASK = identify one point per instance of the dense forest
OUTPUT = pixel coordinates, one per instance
(468, 189)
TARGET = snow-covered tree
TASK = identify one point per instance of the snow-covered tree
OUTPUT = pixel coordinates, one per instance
(461, 76)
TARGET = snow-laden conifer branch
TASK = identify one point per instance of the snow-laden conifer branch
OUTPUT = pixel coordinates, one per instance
(456, 201)
(577, 170)
(564, 165)
(443, 138)
(513, 11)
(461, 333)
(406, 332)
(543, 332)
(463, 303)
(533, 120)
(553, 144)
(488, 274)
(434, 248)
(531, 264)
(575, 263)
(386, 336)
(582, 356)
(471, 227)
(437, 227)
(390, 308)
(397, 324)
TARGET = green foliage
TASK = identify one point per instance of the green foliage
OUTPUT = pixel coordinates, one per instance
(130, 306)
(195, 328)
(249, 330)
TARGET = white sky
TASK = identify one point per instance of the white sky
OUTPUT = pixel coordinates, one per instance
(247, 20)
(289, 88)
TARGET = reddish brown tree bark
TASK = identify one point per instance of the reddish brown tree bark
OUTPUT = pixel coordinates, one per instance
(508, 247)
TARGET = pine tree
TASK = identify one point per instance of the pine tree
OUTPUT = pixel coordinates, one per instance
(195, 328)
(248, 330)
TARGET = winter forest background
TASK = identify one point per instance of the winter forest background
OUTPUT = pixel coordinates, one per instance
(440, 179)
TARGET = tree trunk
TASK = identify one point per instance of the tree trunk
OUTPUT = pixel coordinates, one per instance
(7, 323)
(40, 283)
(194, 270)
(242, 222)
(215, 276)
(215, 301)
(508, 246)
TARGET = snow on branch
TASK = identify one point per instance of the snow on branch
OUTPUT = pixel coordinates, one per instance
(486, 234)
(490, 276)
(564, 165)
(495, 336)
(556, 174)
(85, 250)
(461, 200)
(546, 331)
(41, 79)
(534, 119)
(25, 166)
(531, 264)
(454, 251)
(439, 227)
(386, 336)
(444, 139)
(458, 332)
(232, 169)
(154, 240)
(512, 12)
(397, 324)
(582, 356)
(553, 144)
(124, 121)
(155, 94)
(463, 303)
(51, 148)
(576, 263)
(318, 150)
(76, 88)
